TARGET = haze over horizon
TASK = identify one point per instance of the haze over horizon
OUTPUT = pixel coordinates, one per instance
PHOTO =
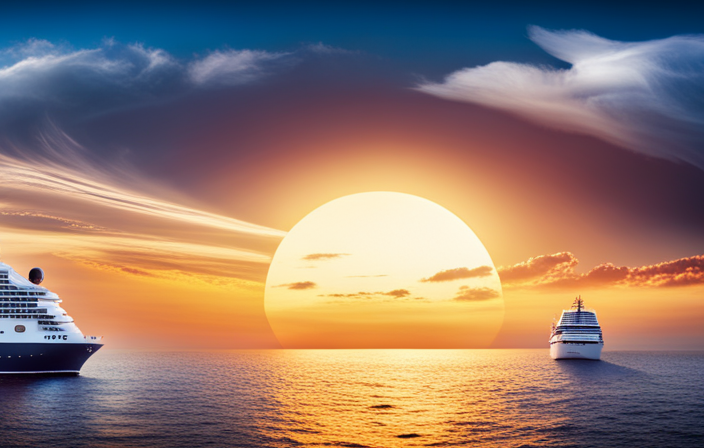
(151, 161)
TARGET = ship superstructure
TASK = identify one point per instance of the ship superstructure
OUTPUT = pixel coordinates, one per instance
(577, 334)
(36, 333)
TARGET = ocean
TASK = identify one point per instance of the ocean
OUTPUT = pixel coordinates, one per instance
(360, 398)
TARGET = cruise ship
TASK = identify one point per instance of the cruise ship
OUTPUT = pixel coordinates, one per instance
(577, 335)
(36, 334)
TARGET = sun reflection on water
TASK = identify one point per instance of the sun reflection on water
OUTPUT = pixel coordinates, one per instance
(359, 398)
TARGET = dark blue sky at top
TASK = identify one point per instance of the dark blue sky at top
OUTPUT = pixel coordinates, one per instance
(427, 38)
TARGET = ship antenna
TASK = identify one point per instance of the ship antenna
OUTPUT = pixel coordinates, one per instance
(578, 303)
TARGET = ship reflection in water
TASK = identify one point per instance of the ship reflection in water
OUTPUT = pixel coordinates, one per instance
(357, 398)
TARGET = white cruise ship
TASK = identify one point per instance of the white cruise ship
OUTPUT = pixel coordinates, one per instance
(36, 334)
(577, 335)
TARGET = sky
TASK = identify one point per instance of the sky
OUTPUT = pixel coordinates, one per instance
(153, 156)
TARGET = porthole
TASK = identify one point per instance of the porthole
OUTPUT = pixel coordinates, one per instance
(20, 328)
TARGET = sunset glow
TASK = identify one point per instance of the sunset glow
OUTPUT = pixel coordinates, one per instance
(172, 163)
(383, 270)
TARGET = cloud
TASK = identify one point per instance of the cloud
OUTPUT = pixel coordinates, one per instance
(542, 266)
(63, 170)
(298, 286)
(234, 67)
(322, 49)
(322, 256)
(398, 293)
(59, 199)
(459, 273)
(89, 204)
(354, 295)
(682, 272)
(49, 221)
(557, 271)
(467, 294)
(645, 96)
(48, 73)
(38, 78)
(33, 47)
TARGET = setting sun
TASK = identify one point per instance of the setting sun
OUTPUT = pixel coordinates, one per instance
(383, 269)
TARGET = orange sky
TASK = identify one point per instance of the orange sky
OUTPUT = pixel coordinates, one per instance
(156, 223)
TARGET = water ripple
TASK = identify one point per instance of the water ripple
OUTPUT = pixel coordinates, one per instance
(360, 398)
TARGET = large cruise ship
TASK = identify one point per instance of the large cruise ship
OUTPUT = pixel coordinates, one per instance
(577, 335)
(36, 334)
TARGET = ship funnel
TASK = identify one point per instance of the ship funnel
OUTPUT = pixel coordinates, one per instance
(36, 275)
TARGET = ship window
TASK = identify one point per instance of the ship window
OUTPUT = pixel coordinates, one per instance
(20, 328)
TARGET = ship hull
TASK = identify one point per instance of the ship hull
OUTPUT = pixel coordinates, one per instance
(60, 358)
(576, 350)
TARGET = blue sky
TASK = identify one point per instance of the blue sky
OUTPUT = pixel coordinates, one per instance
(429, 38)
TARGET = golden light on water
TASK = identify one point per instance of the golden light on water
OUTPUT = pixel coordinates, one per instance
(383, 270)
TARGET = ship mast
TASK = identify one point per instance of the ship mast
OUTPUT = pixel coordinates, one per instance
(578, 303)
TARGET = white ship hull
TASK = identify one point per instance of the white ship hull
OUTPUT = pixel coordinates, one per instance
(36, 333)
(576, 350)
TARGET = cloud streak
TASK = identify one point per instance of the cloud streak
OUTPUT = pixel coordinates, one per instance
(235, 67)
(557, 271)
(65, 172)
(316, 257)
(53, 194)
(459, 273)
(645, 96)
(298, 286)
(467, 294)
(396, 294)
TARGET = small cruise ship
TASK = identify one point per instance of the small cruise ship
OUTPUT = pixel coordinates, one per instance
(36, 334)
(577, 335)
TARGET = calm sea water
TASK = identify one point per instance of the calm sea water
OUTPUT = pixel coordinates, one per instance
(360, 398)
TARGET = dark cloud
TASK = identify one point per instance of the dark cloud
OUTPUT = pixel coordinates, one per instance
(467, 294)
(310, 257)
(297, 286)
(459, 273)
(557, 271)
(398, 293)
(646, 96)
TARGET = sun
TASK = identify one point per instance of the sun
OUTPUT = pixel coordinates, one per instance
(383, 270)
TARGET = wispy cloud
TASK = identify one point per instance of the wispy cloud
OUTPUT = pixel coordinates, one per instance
(557, 271)
(396, 293)
(39, 77)
(298, 286)
(467, 294)
(235, 66)
(136, 231)
(45, 72)
(459, 273)
(64, 171)
(86, 204)
(646, 96)
(316, 257)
